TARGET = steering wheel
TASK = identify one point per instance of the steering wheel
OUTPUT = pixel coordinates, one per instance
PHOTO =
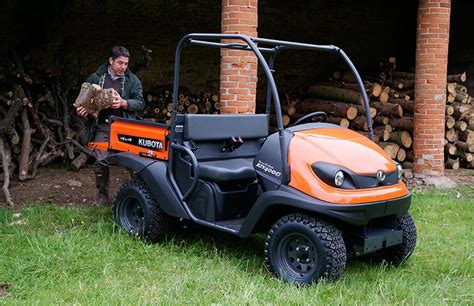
(309, 116)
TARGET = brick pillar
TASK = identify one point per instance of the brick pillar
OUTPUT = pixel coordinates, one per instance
(238, 74)
(430, 86)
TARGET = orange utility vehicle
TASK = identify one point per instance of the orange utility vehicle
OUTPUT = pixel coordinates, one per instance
(322, 193)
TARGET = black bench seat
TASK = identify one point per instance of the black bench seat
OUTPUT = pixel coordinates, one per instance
(228, 171)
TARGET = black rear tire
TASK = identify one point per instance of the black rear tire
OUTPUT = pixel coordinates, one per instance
(397, 254)
(302, 249)
(138, 213)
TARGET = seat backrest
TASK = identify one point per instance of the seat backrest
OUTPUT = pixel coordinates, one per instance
(199, 127)
(207, 135)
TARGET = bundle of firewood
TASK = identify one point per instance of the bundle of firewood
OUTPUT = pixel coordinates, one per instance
(159, 104)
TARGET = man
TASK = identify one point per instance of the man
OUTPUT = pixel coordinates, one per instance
(128, 98)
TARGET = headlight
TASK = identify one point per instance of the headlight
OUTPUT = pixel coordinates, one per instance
(399, 171)
(339, 178)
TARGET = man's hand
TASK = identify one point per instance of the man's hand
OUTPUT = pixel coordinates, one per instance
(81, 111)
(118, 101)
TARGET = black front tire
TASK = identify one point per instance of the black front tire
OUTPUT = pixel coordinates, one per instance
(138, 213)
(302, 249)
(397, 254)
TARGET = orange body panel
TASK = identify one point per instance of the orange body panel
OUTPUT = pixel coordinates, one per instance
(103, 146)
(136, 138)
(347, 149)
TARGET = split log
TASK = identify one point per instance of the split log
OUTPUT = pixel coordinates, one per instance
(451, 135)
(337, 120)
(79, 161)
(462, 97)
(407, 106)
(465, 147)
(404, 123)
(401, 155)
(467, 136)
(469, 119)
(457, 78)
(394, 110)
(381, 120)
(460, 126)
(360, 123)
(449, 110)
(467, 157)
(93, 98)
(450, 98)
(382, 133)
(376, 90)
(337, 109)
(452, 163)
(451, 87)
(450, 149)
(390, 148)
(366, 134)
(338, 94)
(450, 122)
(361, 110)
(402, 138)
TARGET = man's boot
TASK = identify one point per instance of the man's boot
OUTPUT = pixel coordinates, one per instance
(102, 182)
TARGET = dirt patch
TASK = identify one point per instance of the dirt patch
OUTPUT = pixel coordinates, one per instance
(61, 187)
(69, 188)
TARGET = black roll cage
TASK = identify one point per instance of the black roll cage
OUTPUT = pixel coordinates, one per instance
(273, 47)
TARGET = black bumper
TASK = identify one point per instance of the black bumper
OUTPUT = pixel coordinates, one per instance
(352, 214)
(361, 214)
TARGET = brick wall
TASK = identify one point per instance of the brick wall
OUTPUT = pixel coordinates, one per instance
(238, 76)
(430, 85)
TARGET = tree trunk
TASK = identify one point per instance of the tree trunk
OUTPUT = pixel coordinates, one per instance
(465, 147)
(450, 122)
(407, 106)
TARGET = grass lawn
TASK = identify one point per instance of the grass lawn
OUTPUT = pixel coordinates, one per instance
(67, 255)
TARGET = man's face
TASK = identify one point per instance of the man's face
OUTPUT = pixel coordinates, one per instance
(118, 65)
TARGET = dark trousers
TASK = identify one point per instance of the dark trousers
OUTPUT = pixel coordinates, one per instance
(101, 164)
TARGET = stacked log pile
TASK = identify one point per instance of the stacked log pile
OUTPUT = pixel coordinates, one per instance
(159, 104)
(391, 109)
(37, 125)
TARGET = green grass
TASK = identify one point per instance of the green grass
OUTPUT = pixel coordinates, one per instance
(66, 255)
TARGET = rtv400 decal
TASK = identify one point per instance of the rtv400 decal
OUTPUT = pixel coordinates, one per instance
(141, 142)
(267, 168)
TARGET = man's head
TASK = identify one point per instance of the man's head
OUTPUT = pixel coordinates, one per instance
(118, 60)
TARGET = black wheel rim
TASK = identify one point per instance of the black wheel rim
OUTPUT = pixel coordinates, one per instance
(133, 218)
(298, 256)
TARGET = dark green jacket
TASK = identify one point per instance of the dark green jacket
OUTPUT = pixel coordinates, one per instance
(132, 92)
